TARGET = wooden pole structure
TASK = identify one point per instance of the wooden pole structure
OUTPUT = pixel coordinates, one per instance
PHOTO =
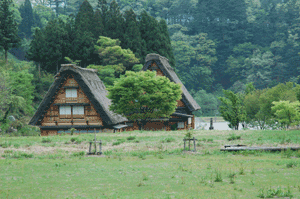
(95, 143)
(211, 124)
(184, 144)
(194, 144)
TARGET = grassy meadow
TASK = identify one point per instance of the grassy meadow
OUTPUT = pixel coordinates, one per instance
(143, 164)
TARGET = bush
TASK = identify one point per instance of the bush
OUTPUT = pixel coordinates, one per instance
(5, 144)
(17, 155)
(118, 142)
(131, 138)
(234, 137)
(76, 140)
(46, 140)
(78, 154)
(169, 139)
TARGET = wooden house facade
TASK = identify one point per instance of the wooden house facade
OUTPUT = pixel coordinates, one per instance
(182, 118)
(77, 99)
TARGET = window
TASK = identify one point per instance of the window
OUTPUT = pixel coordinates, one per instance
(65, 110)
(71, 92)
(78, 110)
(180, 125)
(189, 120)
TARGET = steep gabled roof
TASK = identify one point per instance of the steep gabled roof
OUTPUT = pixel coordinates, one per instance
(91, 85)
(168, 71)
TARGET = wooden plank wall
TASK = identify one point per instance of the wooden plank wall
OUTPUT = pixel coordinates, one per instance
(52, 114)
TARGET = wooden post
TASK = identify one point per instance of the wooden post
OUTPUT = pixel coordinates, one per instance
(189, 144)
(95, 143)
(194, 144)
(100, 144)
(184, 145)
(211, 124)
(90, 149)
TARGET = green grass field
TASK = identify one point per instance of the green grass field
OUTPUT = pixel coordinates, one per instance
(150, 165)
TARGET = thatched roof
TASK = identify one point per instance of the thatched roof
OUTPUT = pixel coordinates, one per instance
(168, 71)
(92, 86)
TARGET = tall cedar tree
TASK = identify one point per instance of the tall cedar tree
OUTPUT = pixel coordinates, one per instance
(150, 33)
(36, 50)
(132, 34)
(85, 18)
(8, 27)
(27, 19)
(115, 24)
(166, 48)
(83, 47)
(103, 8)
(55, 45)
(156, 37)
(99, 28)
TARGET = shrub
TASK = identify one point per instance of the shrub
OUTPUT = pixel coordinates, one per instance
(234, 137)
(169, 139)
(72, 131)
(218, 177)
(18, 155)
(5, 144)
(46, 140)
(76, 140)
(77, 154)
(291, 164)
(131, 138)
(118, 142)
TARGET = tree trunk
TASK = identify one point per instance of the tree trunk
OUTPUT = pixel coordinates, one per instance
(5, 56)
(39, 70)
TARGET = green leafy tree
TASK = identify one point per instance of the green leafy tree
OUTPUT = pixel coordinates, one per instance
(8, 27)
(287, 113)
(194, 58)
(44, 13)
(258, 103)
(231, 109)
(143, 95)
(18, 100)
(113, 60)
(208, 102)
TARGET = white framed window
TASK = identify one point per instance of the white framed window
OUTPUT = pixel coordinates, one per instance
(78, 110)
(180, 125)
(65, 110)
(189, 120)
(71, 92)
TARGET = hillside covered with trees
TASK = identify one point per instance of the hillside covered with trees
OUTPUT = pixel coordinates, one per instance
(227, 44)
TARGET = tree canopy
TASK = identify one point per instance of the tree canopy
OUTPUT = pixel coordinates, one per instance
(143, 95)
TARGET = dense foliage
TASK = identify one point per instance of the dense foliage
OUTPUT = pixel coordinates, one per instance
(143, 95)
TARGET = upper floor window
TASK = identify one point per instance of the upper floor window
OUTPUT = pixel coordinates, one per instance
(71, 92)
(78, 110)
(65, 110)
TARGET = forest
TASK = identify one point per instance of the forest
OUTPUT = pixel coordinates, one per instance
(250, 48)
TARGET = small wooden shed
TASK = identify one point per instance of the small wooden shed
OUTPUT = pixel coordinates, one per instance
(77, 99)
